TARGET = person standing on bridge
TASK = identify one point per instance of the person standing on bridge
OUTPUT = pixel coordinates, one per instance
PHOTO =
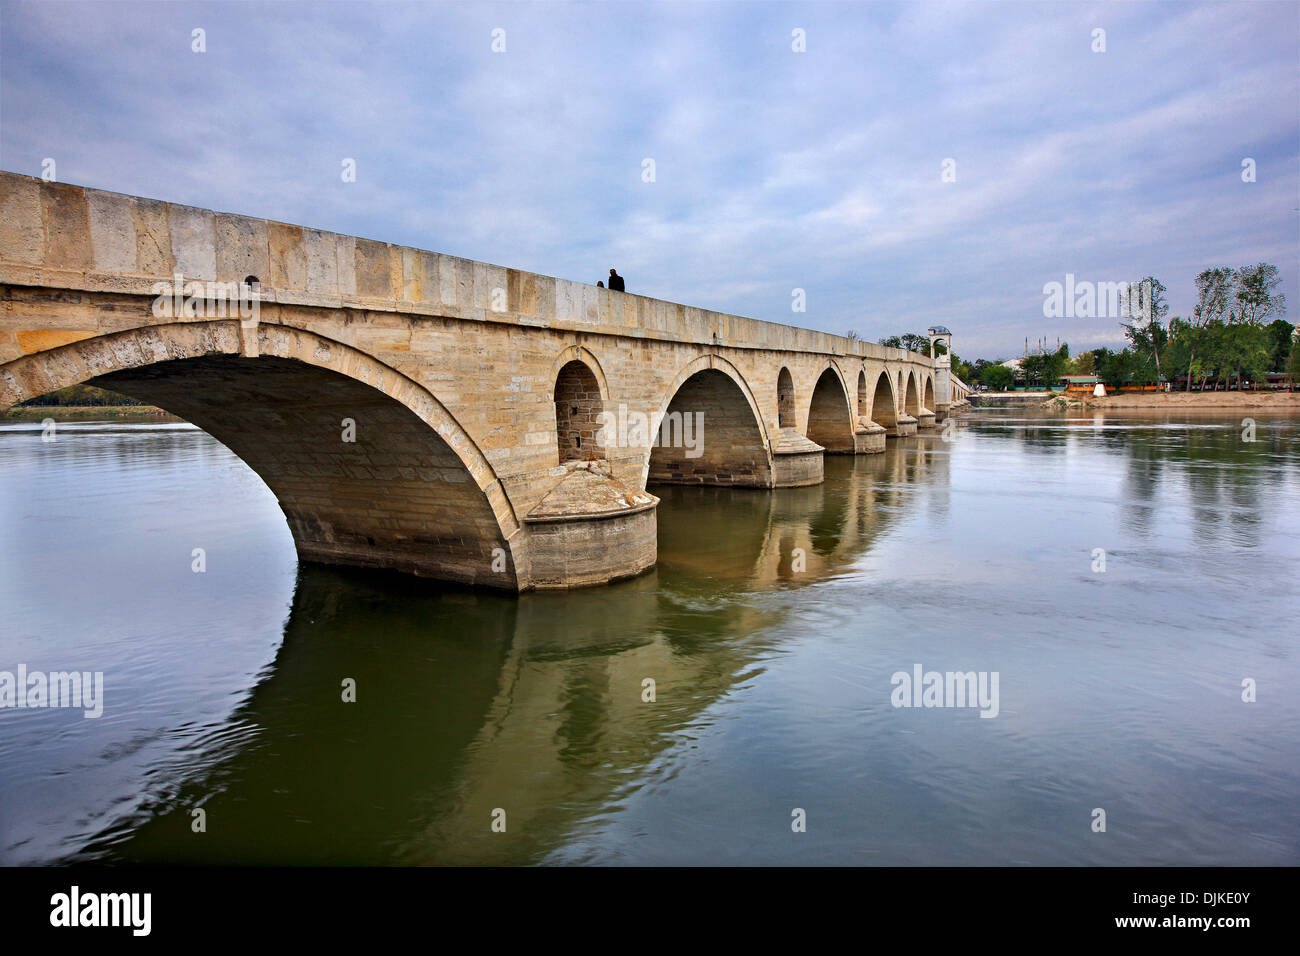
(615, 281)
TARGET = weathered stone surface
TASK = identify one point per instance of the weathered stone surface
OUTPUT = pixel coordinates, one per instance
(242, 248)
(112, 232)
(67, 226)
(22, 230)
(194, 246)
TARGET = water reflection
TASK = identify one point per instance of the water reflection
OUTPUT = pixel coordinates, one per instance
(467, 703)
(770, 628)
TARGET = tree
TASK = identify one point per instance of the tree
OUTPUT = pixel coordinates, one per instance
(1146, 332)
(1280, 333)
(916, 343)
(997, 377)
(908, 340)
(1215, 290)
(1245, 342)
(1256, 300)
(1047, 367)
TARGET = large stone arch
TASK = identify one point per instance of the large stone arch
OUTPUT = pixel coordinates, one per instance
(830, 415)
(884, 406)
(368, 466)
(733, 446)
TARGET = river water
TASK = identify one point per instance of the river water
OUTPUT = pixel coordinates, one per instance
(1120, 577)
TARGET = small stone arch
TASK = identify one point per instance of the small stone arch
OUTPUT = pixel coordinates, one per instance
(864, 397)
(579, 402)
(579, 353)
(785, 403)
(928, 400)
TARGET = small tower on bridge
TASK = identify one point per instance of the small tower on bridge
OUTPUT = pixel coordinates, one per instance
(942, 369)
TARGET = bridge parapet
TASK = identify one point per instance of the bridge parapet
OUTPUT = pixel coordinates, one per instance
(56, 234)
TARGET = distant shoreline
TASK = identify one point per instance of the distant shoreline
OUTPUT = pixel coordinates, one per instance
(74, 413)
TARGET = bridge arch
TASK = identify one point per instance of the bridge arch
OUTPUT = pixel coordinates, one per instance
(579, 394)
(864, 396)
(730, 442)
(830, 416)
(367, 465)
(928, 400)
(785, 404)
(884, 407)
(911, 400)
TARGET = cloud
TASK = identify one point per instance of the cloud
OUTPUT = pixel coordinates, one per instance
(775, 170)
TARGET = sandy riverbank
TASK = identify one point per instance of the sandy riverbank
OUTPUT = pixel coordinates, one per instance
(1183, 400)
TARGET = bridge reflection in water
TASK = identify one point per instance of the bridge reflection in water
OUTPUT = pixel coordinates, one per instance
(469, 702)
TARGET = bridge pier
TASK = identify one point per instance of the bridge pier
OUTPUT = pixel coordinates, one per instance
(796, 461)
(906, 425)
(589, 529)
(869, 439)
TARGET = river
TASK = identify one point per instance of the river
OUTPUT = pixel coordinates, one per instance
(1125, 580)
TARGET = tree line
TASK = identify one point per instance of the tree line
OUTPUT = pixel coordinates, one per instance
(1234, 335)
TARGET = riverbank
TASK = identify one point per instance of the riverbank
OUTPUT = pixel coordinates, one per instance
(1180, 400)
(81, 413)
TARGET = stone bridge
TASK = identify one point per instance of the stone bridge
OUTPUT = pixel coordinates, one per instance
(425, 413)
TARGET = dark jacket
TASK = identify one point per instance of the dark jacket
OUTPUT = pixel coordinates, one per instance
(616, 282)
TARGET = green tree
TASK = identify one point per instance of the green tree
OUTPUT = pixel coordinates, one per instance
(1215, 292)
(1146, 332)
(1280, 333)
(1255, 295)
(997, 377)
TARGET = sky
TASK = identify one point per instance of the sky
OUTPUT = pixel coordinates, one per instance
(913, 164)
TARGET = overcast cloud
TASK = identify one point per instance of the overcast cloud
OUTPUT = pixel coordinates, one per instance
(774, 170)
